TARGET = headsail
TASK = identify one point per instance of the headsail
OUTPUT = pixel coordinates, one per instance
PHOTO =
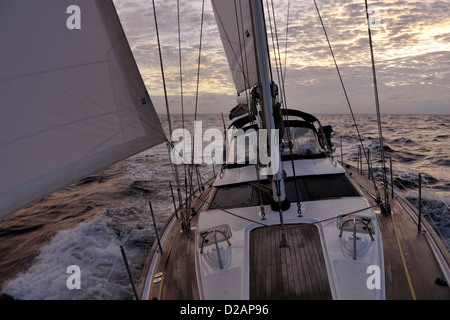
(234, 22)
(72, 100)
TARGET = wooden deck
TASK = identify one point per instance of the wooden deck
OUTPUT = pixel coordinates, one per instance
(286, 273)
(177, 263)
(410, 266)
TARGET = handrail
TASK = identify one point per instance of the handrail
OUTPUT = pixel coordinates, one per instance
(420, 206)
(354, 220)
(217, 249)
(215, 239)
(445, 203)
(438, 254)
(216, 243)
(421, 177)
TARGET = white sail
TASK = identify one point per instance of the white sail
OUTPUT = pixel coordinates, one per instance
(234, 22)
(72, 100)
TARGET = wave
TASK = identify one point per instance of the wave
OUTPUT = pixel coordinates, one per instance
(437, 214)
(92, 246)
(442, 162)
(404, 141)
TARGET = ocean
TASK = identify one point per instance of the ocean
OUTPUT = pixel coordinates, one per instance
(86, 223)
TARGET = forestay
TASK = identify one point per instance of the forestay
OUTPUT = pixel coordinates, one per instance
(72, 99)
(234, 22)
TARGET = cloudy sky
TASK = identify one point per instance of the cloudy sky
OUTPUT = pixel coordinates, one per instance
(411, 45)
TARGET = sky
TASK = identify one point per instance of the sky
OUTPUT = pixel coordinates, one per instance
(411, 44)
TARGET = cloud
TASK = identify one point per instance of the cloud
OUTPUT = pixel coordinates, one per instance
(412, 51)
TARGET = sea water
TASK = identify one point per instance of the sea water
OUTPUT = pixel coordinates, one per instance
(86, 223)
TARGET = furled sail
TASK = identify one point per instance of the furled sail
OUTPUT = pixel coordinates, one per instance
(234, 22)
(72, 100)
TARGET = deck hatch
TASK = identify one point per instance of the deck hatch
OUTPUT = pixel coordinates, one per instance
(311, 188)
(296, 272)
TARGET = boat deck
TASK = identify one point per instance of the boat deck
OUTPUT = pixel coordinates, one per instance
(179, 279)
(287, 273)
(410, 265)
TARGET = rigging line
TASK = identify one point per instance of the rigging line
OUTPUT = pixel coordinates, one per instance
(162, 67)
(345, 91)
(282, 79)
(198, 84)
(277, 53)
(109, 276)
(125, 241)
(199, 59)
(267, 42)
(258, 16)
(178, 152)
(432, 189)
(375, 87)
(276, 49)
(283, 93)
(174, 167)
(251, 100)
(204, 201)
(117, 258)
(273, 41)
(286, 44)
(181, 78)
(435, 227)
(239, 38)
(263, 18)
(277, 62)
(445, 203)
(180, 61)
(244, 58)
(230, 43)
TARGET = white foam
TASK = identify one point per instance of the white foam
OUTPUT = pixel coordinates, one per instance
(92, 246)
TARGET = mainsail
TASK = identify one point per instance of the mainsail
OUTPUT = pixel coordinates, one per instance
(72, 100)
(234, 22)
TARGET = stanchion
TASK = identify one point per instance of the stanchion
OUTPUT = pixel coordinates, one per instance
(419, 225)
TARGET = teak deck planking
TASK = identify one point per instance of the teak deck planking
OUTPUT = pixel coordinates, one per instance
(286, 273)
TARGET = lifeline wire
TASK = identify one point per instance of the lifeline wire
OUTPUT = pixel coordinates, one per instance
(345, 92)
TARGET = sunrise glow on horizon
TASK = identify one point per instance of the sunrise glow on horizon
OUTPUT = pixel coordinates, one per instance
(411, 47)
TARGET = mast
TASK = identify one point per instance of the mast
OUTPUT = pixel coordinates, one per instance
(385, 207)
(267, 97)
(280, 202)
(243, 33)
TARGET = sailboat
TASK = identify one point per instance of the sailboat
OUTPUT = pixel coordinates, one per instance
(299, 226)
(283, 220)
